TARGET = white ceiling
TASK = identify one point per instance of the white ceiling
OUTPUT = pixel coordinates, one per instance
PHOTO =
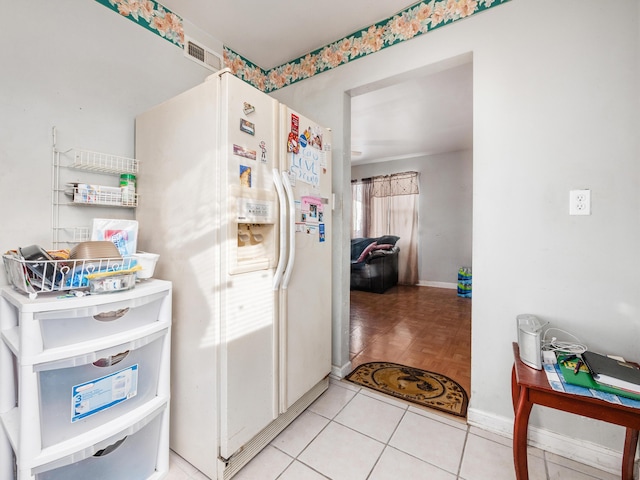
(425, 115)
(411, 117)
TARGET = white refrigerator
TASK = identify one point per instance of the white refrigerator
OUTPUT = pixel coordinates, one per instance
(235, 195)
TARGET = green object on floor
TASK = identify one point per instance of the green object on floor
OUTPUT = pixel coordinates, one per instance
(464, 282)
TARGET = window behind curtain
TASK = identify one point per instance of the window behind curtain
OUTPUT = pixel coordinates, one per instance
(360, 208)
(388, 205)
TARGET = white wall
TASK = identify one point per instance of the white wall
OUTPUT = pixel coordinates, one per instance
(556, 107)
(444, 211)
(86, 70)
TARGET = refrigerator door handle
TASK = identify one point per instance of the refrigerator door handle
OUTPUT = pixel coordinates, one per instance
(292, 229)
(277, 276)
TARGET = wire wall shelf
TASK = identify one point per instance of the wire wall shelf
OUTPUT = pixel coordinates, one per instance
(100, 162)
(67, 191)
(74, 234)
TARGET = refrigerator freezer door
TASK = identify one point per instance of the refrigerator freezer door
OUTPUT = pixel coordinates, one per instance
(248, 330)
(305, 303)
(197, 209)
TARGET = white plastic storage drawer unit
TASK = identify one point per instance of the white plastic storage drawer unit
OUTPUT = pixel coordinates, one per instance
(84, 392)
(66, 327)
(79, 374)
(131, 454)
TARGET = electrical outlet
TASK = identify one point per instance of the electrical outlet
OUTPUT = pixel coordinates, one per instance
(580, 202)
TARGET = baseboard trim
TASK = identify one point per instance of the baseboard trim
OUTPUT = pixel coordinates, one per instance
(451, 286)
(588, 453)
(341, 372)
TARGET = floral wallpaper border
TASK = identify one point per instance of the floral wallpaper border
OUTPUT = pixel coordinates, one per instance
(152, 16)
(415, 20)
(411, 22)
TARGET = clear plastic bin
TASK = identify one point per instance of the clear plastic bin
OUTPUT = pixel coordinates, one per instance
(112, 283)
(81, 393)
(67, 327)
(131, 454)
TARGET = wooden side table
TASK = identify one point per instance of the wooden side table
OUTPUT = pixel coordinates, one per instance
(530, 387)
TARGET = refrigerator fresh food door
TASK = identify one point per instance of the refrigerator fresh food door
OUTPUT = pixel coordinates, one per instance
(249, 226)
(305, 288)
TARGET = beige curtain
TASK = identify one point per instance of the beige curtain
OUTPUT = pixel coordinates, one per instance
(394, 211)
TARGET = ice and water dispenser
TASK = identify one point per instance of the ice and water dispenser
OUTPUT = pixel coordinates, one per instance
(252, 229)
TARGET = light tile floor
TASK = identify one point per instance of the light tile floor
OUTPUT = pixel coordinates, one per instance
(351, 433)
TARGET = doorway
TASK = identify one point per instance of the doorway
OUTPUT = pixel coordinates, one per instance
(423, 122)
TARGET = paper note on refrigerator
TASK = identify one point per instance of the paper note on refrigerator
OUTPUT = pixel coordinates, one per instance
(311, 209)
(306, 165)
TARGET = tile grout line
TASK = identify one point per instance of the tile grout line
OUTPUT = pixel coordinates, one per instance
(464, 449)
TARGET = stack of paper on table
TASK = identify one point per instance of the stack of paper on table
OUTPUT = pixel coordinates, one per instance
(612, 372)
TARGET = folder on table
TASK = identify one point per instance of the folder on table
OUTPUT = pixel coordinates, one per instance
(583, 378)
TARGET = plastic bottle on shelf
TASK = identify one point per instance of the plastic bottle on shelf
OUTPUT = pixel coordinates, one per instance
(128, 187)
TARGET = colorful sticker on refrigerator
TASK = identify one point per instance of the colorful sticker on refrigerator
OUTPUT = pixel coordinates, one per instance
(247, 127)
(263, 149)
(321, 232)
(104, 392)
(248, 109)
(313, 136)
(244, 152)
(292, 143)
(245, 176)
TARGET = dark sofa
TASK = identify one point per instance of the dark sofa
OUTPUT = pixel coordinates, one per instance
(374, 263)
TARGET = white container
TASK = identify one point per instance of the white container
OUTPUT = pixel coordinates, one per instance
(148, 263)
(132, 454)
(61, 328)
(81, 393)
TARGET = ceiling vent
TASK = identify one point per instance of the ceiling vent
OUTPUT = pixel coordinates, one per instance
(202, 55)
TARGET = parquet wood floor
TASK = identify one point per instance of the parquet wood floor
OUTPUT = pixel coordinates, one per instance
(423, 327)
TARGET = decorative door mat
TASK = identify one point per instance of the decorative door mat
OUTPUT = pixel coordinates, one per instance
(414, 385)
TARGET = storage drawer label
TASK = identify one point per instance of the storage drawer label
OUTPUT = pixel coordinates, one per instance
(104, 392)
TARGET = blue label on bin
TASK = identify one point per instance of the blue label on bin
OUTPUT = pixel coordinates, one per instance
(92, 397)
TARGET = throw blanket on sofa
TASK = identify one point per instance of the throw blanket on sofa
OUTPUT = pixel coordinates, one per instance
(361, 247)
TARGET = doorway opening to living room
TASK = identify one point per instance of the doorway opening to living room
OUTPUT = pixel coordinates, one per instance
(419, 122)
